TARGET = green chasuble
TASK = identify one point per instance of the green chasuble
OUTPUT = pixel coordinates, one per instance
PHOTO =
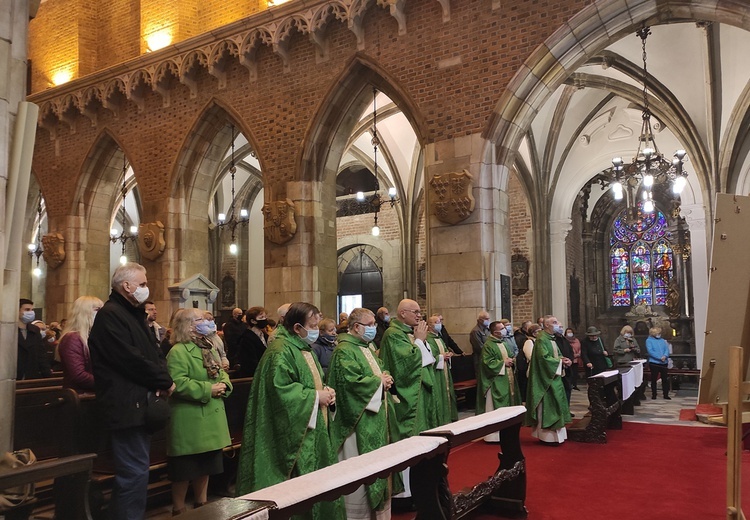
(445, 395)
(545, 386)
(415, 411)
(356, 378)
(503, 388)
(277, 443)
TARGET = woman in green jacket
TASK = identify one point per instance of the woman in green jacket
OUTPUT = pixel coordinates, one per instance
(198, 427)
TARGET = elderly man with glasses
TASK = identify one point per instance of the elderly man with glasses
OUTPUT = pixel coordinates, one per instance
(408, 358)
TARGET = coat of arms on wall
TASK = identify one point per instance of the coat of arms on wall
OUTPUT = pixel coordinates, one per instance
(452, 200)
(279, 226)
(53, 247)
(151, 241)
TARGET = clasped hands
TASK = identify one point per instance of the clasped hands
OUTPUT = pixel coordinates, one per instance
(218, 389)
(327, 396)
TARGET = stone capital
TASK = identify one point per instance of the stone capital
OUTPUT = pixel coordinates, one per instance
(559, 230)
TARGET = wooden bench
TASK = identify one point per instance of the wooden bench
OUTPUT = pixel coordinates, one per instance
(426, 454)
(464, 381)
(738, 392)
(44, 382)
(677, 374)
(605, 406)
(46, 421)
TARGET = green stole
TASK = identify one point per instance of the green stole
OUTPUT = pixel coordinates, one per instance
(503, 388)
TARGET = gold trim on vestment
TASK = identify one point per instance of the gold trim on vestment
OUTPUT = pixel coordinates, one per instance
(316, 378)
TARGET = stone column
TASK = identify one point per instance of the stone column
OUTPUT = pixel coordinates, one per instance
(465, 260)
(559, 230)
(304, 269)
(14, 22)
(695, 216)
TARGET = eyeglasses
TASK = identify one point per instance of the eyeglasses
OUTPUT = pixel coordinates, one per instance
(363, 324)
(416, 312)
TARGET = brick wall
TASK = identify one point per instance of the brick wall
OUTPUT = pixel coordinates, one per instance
(53, 42)
(118, 32)
(521, 243)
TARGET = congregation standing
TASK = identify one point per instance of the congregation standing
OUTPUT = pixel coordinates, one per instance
(322, 392)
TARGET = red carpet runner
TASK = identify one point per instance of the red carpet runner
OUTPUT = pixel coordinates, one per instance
(645, 472)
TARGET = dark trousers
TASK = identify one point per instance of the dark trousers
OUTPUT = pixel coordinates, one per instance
(656, 371)
(130, 451)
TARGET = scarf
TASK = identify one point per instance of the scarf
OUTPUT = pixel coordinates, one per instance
(209, 360)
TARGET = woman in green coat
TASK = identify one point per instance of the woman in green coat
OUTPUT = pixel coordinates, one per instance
(198, 427)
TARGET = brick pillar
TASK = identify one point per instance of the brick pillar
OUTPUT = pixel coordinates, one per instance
(465, 260)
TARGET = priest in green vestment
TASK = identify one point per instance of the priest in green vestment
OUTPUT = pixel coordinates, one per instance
(286, 425)
(496, 382)
(408, 359)
(445, 395)
(547, 409)
(360, 424)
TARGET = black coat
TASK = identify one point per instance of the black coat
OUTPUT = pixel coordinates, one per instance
(449, 342)
(232, 330)
(250, 349)
(126, 362)
(381, 328)
(593, 352)
(567, 351)
(32, 362)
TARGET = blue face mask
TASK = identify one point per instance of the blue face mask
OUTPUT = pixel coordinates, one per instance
(387, 318)
(558, 329)
(312, 336)
(203, 328)
(438, 327)
(369, 334)
(486, 324)
(28, 316)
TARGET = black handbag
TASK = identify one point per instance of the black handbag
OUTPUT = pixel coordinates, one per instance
(157, 413)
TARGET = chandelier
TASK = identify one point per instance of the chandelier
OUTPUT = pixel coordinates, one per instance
(35, 248)
(375, 200)
(634, 181)
(233, 221)
(123, 236)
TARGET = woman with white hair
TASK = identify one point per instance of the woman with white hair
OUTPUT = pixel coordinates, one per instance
(73, 346)
(626, 347)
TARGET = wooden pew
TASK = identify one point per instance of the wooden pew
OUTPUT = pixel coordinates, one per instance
(464, 380)
(605, 404)
(426, 454)
(43, 382)
(739, 391)
(46, 422)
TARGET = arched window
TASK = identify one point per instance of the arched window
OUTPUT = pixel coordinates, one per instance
(641, 259)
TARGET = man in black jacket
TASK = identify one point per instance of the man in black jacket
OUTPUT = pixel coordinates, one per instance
(127, 367)
(32, 362)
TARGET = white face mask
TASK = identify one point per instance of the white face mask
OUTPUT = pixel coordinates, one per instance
(140, 294)
(569, 334)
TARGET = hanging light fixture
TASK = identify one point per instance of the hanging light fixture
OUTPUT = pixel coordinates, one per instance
(35, 248)
(635, 181)
(233, 221)
(125, 235)
(377, 201)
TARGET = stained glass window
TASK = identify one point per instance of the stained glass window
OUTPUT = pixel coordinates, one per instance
(641, 259)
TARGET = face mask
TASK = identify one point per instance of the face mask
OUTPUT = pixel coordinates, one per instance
(203, 328)
(658, 336)
(330, 338)
(387, 318)
(261, 324)
(28, 316)
(438, 327)
(509, 328)
(212, 325)
(369, 334)
(140, 294)
(569, 334)
(486, 324)
(503, 333)
(312, 336)
(558, 329)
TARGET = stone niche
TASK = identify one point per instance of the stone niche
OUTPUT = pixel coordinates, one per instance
(197, 292)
